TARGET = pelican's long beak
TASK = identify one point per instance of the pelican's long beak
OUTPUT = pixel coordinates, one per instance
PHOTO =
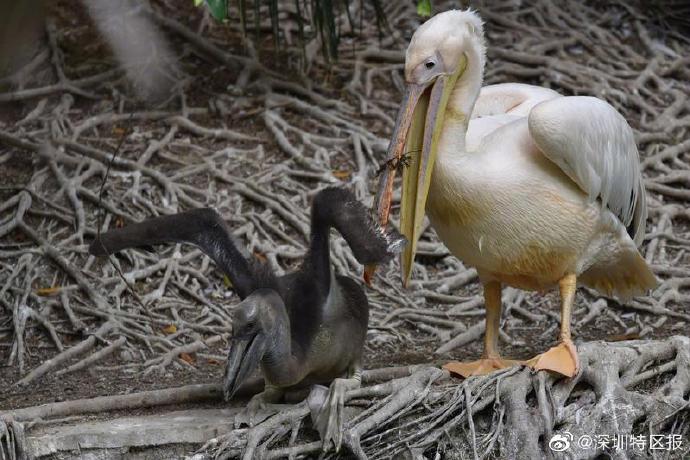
(414, 103)
(243, 358)
(415, 143)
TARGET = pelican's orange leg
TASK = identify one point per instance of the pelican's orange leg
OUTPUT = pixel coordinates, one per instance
(491, 358)
(563, 357)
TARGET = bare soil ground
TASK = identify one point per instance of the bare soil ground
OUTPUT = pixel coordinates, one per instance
(255, 138)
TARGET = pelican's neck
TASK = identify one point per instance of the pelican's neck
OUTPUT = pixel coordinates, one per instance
(280, 365)
(461, 102)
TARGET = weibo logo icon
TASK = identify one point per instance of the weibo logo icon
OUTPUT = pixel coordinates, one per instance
(560, 442)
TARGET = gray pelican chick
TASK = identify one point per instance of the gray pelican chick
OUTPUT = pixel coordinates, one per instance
(304, 328)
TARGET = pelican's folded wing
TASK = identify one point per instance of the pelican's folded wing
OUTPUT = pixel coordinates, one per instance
(594, 145)
(510, 98)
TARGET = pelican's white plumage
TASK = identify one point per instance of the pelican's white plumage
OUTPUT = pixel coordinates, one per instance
(594, 145)
(535, 185)
(505, 207)
(532, 188)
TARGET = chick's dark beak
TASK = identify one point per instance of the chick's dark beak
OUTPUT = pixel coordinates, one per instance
(243, 359)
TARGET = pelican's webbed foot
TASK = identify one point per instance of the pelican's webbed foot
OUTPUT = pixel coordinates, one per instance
(257, 409)
(561, 359)
(328, 410)
(479, 367)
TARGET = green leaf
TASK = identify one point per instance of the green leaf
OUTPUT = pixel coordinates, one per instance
(218, 9)
(198, 2)
(424, 8)
(243, 17)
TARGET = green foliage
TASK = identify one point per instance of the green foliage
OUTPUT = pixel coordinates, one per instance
(424, 8)
(273, 12)
(218, 8)
(323, 19)
(323, 15)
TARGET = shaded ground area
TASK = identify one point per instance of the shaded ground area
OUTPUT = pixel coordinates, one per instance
(255, 137)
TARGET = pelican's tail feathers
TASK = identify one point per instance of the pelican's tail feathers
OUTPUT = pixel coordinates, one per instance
(628, 276)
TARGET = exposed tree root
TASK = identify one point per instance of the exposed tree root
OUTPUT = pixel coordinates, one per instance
(626, 390)
(181, 395)
(12, 440)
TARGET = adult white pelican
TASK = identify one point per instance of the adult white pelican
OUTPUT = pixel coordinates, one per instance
(533, 189)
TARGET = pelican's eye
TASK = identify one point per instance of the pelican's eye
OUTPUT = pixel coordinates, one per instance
(426, 70)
